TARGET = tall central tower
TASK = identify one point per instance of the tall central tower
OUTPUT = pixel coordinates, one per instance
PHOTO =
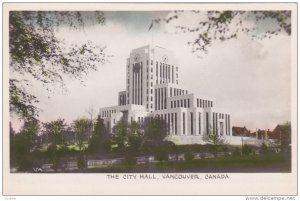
(148, 66)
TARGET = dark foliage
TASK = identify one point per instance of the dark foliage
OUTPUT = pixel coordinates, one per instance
(23, 143)
(36, 51)
(100, 141)
(156, 130)
(55, 130)
(225, 25)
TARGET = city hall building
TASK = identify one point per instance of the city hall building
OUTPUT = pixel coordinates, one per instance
(153, 90)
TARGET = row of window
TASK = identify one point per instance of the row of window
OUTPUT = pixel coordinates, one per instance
(165, 73)
(192, 123)
(180, 103)
(122, 99)
(177, 92)
(218, 127)
(171, 121)
(107, 113)
(204, 103)
(137, 84)
(161, 98)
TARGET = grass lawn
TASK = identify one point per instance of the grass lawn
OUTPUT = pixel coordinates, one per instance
(234, 164)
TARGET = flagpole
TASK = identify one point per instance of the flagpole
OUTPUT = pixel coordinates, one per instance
(152, 38)
(151, 26)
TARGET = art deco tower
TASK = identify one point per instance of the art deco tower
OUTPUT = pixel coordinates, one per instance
(148, 66)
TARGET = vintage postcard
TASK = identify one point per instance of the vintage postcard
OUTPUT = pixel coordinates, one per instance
(150, 99)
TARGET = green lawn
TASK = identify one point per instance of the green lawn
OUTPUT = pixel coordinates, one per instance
(234, 164)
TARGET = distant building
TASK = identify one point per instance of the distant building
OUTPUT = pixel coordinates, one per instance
(153, 90)
(241, 131)
(281, 132)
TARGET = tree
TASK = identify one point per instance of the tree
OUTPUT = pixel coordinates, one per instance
(215, 140)
(156, 130)
(135, 137)
(82, 129)
(120, 135)
(55, 131)
(100, 138)
(38, 54)
(91, 112)
(285, 139)
(23, 144)
(214, 26)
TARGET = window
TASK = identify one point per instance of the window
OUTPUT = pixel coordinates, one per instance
(155, 99)
(188, 103)
(183, 122)
(181, 103)
(151, 98)
(192, 121)
(168, 130)
(185, 103)
(172, 74)
(199, 121)
(147, 62)
(207, 123)
(151, 84)
(171, 104)
(175, 123)
(172, 120)
(214, 122)
(170, 91)
(158, 93)
(151, 62)
(221, 128)
(151, 91)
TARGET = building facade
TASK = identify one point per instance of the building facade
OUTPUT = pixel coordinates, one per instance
(153, 90)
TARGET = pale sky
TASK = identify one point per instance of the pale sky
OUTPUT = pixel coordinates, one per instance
(249, 79)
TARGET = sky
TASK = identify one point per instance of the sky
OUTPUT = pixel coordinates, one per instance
(249, 79)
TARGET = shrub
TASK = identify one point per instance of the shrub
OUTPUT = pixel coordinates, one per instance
(189, 156)
(236, 152)
(247, 149)
(81, 163)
